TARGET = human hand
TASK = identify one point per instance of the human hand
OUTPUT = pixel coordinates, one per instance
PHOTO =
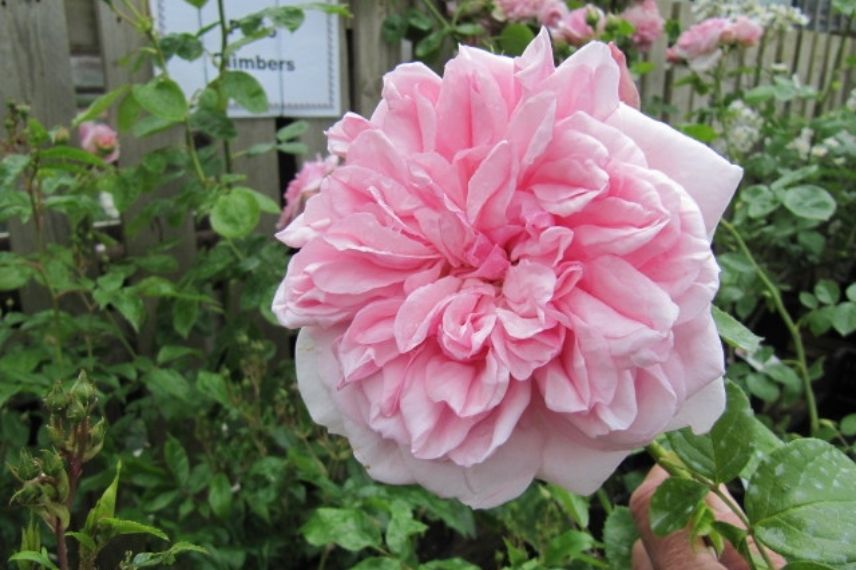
(676, 551)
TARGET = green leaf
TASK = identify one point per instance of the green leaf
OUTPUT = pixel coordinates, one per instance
(101, 104)
(220, 496)
(245, 90)
(351, 529)
(128, 112)
(673, 504)
(213, 122)
(40, 558)
(848, 425)
(734, 332)
(14, 275)
(289, 17)
(184, 315)
(469, 29)
(84, 539)
(514, 38)
(214, 386)
(619, 534)
(266, 204)
(762, 387)
(827, 291)
(401, 527)
(844, 319)
(163, 98)
(803, 565)
(575, 506)
(566, 547)
(172, 352)
(721, 454)
(176, 460)
(808, 300)
(850, 293)
(700, 132)
(760, 199)
(292, 131)
(122, 526)
(105, 508)
(801, 502)
(810, 202)
(70, 153)
(430, 44)
(235, 214)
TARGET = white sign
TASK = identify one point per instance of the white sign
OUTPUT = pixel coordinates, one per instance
(299, 71)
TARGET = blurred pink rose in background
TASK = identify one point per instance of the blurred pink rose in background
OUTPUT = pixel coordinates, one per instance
(647, 21)
(581, 25)
(743, 31)
(509, 277)
(100, 140)
(521, 10)
(306, 183)
(699, 44)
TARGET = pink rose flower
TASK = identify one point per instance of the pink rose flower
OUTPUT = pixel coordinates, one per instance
(699, 44)
(552, 12)
(521, 10)
(647, 22)
(742, 31)
(509, 277)
(306, 183)
(576, 27)
(100, 140)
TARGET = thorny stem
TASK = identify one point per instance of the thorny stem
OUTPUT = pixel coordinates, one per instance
(61, 548)
(792, 327)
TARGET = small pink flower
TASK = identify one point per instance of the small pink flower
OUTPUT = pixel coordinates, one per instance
(100, 140)
(521, 10)
(699, 45)
(306, 183)
(552, 12)
(743, 31)
(581, 25)
(509, 277)
(647, 22)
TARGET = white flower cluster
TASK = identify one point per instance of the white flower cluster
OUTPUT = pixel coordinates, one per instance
(802, 144)
(851, 101)
(774, 17)
(741, 127)
(836, 147)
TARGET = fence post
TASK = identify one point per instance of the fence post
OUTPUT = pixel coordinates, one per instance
(35, 68)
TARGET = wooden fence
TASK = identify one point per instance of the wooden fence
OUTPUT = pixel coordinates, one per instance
(58, 55)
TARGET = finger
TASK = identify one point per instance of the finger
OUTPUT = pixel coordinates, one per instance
(640, 558)
(675, 550)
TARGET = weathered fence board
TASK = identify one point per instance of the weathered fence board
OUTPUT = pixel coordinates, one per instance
(34, 67)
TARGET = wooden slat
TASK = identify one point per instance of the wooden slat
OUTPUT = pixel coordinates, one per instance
(802, 64)
(35, 69)
(816, 66)
(652, 83)
(82, 26)
(679, 95)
